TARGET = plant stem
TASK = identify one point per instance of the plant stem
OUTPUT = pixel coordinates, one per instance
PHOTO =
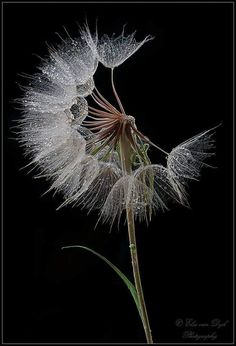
(125, 151)
(136, 273)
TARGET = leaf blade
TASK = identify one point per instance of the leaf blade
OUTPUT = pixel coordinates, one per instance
(127, 282)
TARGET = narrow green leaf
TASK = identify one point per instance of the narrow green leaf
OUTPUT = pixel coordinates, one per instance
(118, 272)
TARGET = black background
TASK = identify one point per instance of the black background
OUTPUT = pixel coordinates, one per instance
(176, 86)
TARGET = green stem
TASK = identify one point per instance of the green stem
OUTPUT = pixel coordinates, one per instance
(136, 273)
(125, 155)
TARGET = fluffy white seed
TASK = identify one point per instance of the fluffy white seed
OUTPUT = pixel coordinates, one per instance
(50, 140)
(45, 96)
(113, 51)
(79, 57)
(98, 191)
(145, 191)
(187, 159)
(76, 179)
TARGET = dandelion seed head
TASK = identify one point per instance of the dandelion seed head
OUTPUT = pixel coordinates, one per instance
(91, 149)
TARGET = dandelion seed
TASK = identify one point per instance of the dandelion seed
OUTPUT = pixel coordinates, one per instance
(113, 51)
(76, 178)
(98, 191)
(187, 159)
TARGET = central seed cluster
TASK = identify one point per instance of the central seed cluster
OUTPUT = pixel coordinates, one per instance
(111, 128)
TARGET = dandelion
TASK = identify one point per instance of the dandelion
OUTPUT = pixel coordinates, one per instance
(92, 151)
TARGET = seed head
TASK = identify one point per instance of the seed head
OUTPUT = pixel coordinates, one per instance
(89, 148)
